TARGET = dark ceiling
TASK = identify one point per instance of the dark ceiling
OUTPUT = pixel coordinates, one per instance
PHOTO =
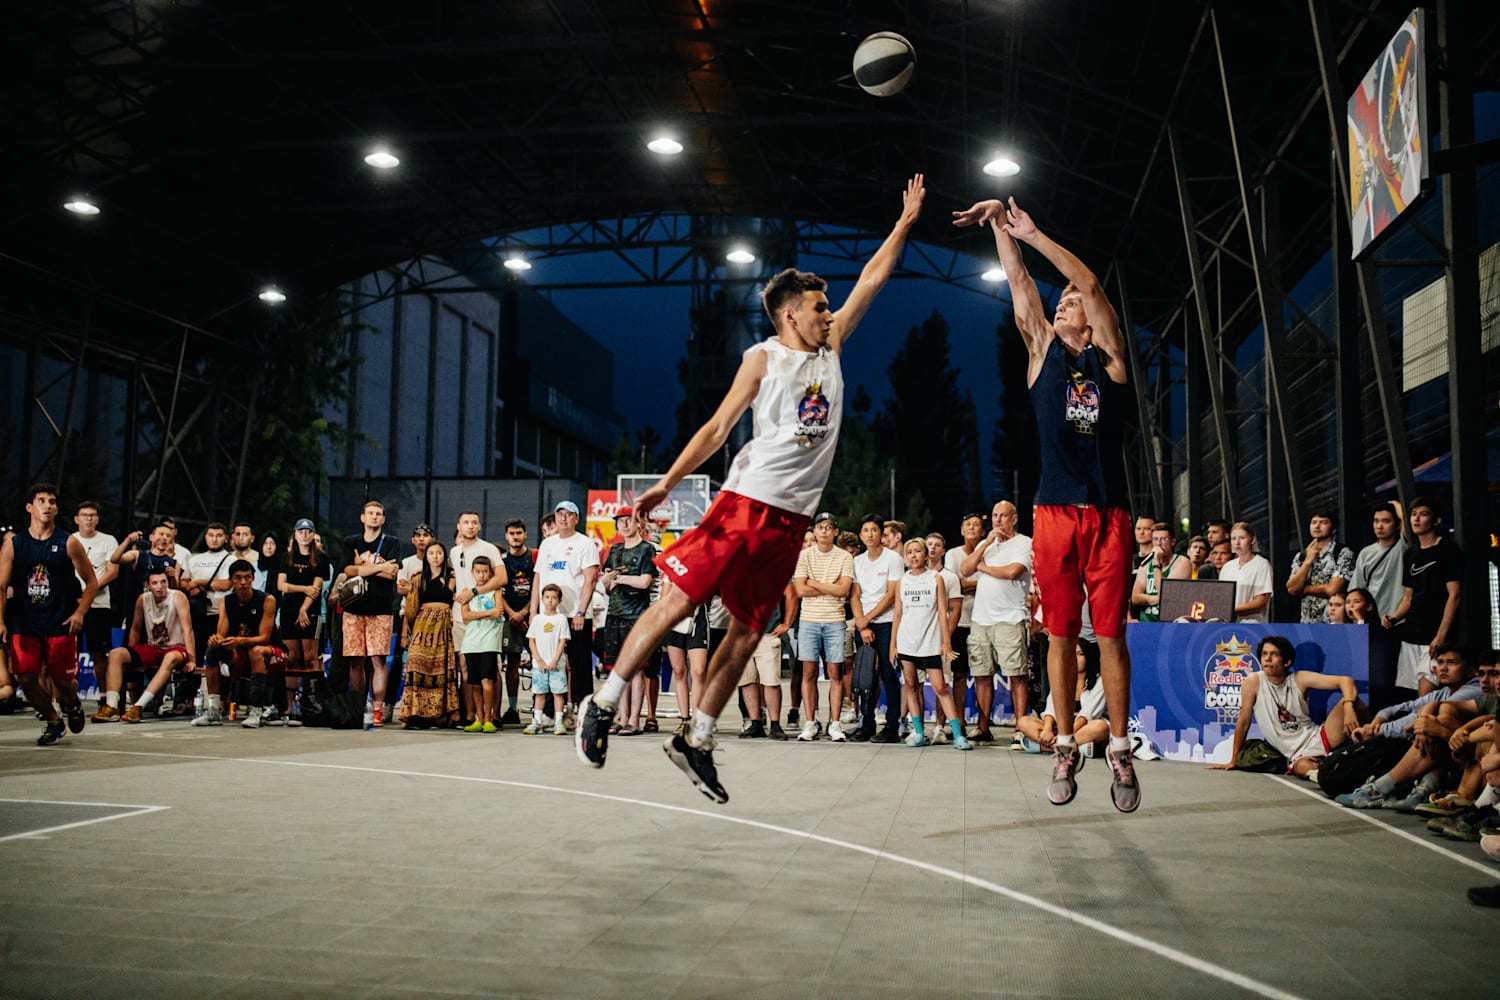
(224, 141)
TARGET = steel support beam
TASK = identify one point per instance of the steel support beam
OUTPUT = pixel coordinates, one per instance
(1283, 485)
(1228, 467)
(1465, 325)
(1195, 375)
(1142, 410)
(1349, 422)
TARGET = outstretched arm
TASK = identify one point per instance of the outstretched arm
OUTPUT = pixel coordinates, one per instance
(1031, 313)
(875, 274)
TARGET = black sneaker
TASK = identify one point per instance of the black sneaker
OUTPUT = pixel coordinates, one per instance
(591, 738)
(52, 733)
(1466, 825)
(75, 717)
(1485, 895)
(510, 718)
(863, 734)
(792, 718)
(887, 734)
(698, 765)
(755, 731)
(984, 736)
(777, 733)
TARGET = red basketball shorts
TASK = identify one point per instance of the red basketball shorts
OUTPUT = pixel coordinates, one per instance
(1073, 548)
(58, 655)
(744, 549)
(150, 657)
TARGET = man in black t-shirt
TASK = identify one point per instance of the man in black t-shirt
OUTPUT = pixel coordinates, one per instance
(629, 571)
(520, 567)
(367, 619)
(1428, 613)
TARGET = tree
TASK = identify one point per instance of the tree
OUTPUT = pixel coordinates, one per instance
(1015, 454)
(640, 454)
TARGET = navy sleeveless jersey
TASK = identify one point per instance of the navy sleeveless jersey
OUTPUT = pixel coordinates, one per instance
(46, 591)
(244, 619)
(1080, 415)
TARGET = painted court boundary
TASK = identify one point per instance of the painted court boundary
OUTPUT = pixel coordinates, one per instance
(1134, 940)
(135, 811)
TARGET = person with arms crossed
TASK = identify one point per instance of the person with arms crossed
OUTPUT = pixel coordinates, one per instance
(1080, 391)
(748, 543)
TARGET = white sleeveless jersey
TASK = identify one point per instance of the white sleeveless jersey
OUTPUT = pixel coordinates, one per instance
(797, 414)
(1285, 723)
(160, 622)
(921, 632)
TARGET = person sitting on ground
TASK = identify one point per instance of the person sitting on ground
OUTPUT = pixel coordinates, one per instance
(1090, 715)
(1454, 665)
(1276, 700)
(548, 639)
(1463, 814)
(160, 640)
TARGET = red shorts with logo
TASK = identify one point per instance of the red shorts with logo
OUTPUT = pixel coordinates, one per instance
(744, 549)
(29, 654)
(1077, 547)
(149, 657)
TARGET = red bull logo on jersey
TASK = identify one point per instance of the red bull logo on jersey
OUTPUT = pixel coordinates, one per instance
(1223, 675)
(39, 585)
(1081, 406)
(812, 416)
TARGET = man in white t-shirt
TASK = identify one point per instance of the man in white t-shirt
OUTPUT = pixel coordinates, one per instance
(199, 572)
(99, 621)
(999, 636)
(571, 560)
(877, 587)
(179, 551)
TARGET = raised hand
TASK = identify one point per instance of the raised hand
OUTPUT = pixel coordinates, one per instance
(1017, 223)
(979, 213)
(911, 201)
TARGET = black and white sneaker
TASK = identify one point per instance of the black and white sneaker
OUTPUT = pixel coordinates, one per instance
(698, 764)
(591, 738)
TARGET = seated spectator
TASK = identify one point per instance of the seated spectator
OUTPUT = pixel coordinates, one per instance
(1090, 714)
(160, 640)
(1162, 564)
(1197, 553)
(242, 646)
(1279, 707)
(1456, 683)
(1337, 610)
(1462, 814)
(1360, 609)
(1218, 557)
(1251, 574)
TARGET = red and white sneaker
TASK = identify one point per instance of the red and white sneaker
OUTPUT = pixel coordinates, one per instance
(379, 716)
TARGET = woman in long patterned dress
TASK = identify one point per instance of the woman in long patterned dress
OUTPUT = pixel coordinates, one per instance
(430, 697)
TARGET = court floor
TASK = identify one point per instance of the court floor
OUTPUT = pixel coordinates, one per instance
(161, 859)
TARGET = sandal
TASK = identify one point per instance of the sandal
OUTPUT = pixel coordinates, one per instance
(615, 729)
(649, 727)
(629, 731)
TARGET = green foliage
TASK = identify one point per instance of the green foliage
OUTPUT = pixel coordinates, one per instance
(639, 454)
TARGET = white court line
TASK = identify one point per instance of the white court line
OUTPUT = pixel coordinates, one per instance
(1145, 944)
(136, 811)
(1426, 842)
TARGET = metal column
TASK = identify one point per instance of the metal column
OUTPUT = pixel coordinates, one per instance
(1349, 423)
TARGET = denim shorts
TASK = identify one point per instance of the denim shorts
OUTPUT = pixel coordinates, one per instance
(820, 640)
(549, 681)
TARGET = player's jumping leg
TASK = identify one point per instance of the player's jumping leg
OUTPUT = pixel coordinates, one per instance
(693, 752)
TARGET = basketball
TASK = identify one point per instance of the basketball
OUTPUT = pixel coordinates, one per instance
(884, 64)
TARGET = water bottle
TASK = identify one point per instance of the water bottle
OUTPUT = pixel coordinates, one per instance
(369, 717)
(198, 702)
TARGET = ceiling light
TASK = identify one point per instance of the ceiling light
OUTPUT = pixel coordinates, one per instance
(382, 159)
(739, 255)
(518, 263)
(273, 295)
(1002, 166)
(664, 145)
(81, 206)
(995, 275)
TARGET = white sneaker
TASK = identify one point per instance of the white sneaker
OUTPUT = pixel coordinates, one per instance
(941, 735)
(254, 719)
(836, 733)
(847, 717)
(809, 731)
(209, 717)
(272, 716)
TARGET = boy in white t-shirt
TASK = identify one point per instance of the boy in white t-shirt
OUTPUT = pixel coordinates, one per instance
(481, 646)
(548, 638)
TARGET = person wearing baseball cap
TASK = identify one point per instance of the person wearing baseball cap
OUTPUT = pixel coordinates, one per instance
(628, 575)
(566, 505)
(570, 559)
(299, 582)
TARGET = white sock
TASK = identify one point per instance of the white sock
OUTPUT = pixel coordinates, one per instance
(1488, 797)
(609, 695)
(1119, 742)
(1066, 741)
(703, 728)
(212, 701)
(144, 700)
(112, 699)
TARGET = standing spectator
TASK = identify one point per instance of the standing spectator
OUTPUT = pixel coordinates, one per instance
(1321, 570)
(549, 526)
(157, 553)
(1360, 608)
(1000, 638)
(548, 637)
(822, 579)
(1143, 525)
(1218, 557)
(1162, 564)
(687, 652)
(893, 536)
(242, 544)
(468, 547)
(1379, 567)
(159, 641)
(1197, 553)
(429, 698)
(367, 619)
(1338, 613)
(937, 550)
(919, 641)
(1251, 574)
(1216, 531)
(571, 560)
(629, 573)
(406, 578)
(48, 613)
(99, 622)
(199, 573)
(520, 565)
(1431, 589)
(873, 596)
(268, 561)
(179, 551)
(972, 530)
(760, 684)
(481, 648)
(300, 583)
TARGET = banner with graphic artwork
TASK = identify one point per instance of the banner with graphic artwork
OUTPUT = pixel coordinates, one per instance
(600, 523)
(1186, 678)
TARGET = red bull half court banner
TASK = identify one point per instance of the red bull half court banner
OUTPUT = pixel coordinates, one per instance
(1186, 677)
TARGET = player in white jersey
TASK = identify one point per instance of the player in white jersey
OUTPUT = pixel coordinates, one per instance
(746, 547)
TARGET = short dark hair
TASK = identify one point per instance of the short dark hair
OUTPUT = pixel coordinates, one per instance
(872, 519)
(37, 488)
(1430, 503)
(92, 505)
(1490, 657)
(786, 287)
(1464, 651)
(1161, 526)
(482, 561)
(515, 522)
(211, 525)
(939, 536)
(1217, 522)
(465, 513)
(241, 566)
(155, 571)
(1327, 515)
(549, 519)
(245, 524)
(552, 588)
(1283, 646)
(1385, 508)
(1196, 539)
